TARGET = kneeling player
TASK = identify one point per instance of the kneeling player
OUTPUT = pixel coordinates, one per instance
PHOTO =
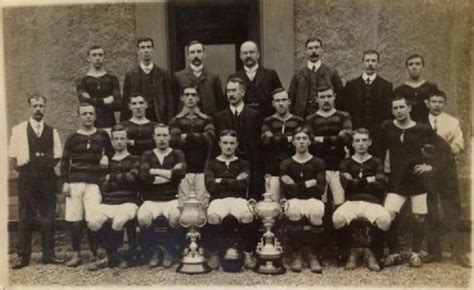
(363, 179)
(161, 171)
(303, 179)
(119, 198)
(227, 180)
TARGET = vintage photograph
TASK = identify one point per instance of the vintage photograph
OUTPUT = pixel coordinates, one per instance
(238, 143)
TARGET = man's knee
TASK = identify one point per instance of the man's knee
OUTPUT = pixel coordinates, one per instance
(214, 219)
(96, 221)
(383, 222)
(119, 221)
(393, 214)
(338, 220)
(145, 218)
(173, 218)
(245, 217)
(294, 214)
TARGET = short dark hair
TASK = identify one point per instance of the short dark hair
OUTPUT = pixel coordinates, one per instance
(371, 51)
(278, 90)
(85, 104)
(193, 42)
(145, 39)
(117, 128)
(325, 87)
(189, 86)
(238, 80)
(303, 129)
(228, 132)
(93, 47)
(36, 97)
(438, 93)
(412, 56)
(361, 130)
(134, 95)
(313, 39)
(399, 97)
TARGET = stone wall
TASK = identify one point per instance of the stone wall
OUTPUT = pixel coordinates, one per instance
(46, 49)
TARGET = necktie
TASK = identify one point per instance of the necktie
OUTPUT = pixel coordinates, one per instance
(314, 68)
(236, 113)
(367, 81)
(38, 129)
(435, 124)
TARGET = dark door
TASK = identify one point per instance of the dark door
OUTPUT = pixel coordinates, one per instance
(221, 25)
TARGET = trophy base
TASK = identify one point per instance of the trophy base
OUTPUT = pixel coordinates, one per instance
(192, 269)
(272, 266)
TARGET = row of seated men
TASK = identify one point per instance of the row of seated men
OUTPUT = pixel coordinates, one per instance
(414, 153)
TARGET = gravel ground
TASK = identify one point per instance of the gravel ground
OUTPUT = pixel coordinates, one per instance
(445, 274)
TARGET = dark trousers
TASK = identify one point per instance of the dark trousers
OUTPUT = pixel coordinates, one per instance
(37, 197)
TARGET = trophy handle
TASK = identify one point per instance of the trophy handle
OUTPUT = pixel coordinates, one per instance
(252, 204)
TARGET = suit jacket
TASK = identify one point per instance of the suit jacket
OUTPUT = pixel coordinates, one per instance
(210, 89)
(378, 107)
(300, 89)
(162, 99)
(266, 81)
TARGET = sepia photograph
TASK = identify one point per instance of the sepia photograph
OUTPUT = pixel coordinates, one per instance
(238, 144)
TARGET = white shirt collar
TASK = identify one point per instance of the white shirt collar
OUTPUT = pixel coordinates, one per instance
(371, 77)
(227, 161)
(317, 64)
(146, 68)
(239, 108)
(326, 114)
(196, 68)
(251, 70)
(34, 124)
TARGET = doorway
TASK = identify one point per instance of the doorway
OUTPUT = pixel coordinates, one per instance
(220, 25)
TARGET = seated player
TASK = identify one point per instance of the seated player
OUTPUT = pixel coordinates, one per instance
(193, 133)
(277, 134)
(331, 129)
(363, 179)
(161, 171)
(303, 179)
(119, 200)
(408, 145)
(227, 180)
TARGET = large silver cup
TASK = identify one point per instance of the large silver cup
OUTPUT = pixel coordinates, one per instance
(269, 251)
(193, 217)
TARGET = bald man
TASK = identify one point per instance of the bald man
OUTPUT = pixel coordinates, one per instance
(260, 81)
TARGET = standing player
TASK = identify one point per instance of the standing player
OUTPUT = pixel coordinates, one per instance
(445, 184)
(193, 133)
(303, 180)
(227, 180)
(119, 200)
(409, 147)
(416, 89)
(34, 151)
(332, 133)
(161, 171)
(277, 134)
(363, 179)
(100, 89)
(82, 165)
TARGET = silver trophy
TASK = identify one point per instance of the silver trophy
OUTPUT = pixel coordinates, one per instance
(269, 251)
(193, 217)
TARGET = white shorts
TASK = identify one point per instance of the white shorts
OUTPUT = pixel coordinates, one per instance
(160, 208)
(351, 210)
(311, 208)
(334, 183)
(119, 213)
(83, 200)
(193, 181)
(395, 201)
(274, 187)
(235, 206)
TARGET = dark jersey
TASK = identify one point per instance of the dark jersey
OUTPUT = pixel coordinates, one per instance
(417, 96)
(142, 135)
(300, 173)
(229, 186)
(122, 184)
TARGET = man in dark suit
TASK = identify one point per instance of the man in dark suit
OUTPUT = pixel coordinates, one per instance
(260, 82)
(195, 74)
(306, 81)
(247, 122)
(35, 149)
(368, 98)
(151, 82)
